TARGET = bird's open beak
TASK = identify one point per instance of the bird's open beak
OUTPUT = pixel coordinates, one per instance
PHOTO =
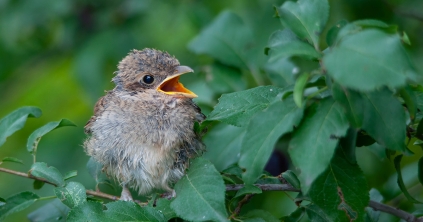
(172, 86)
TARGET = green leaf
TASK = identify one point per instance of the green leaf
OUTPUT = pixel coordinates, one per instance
(131, 211)
(95, 170)
(360, 25)
(50, 174)
(340, 192)
(384, 119)
(405, 39)
(89, 211)
(315, 213)
(264, 130)
(237, 108)
(333, 32)
(299, 87)
(281, 72)
(295, 216)
(11, 159)
(228, 179)
(2, 202)
(314, 142)
(17, 202)
(259, 215)
(397, 162)
(16, 121)
(348, 145)
(372, 23)
(72, 195)
(200, 194)
(410, 101)
(52, 211)
(305, 18)
(420, 170)
(351, 101)
(163, 206)
(373, 215)
(377, 58)
(70, 174)
(116, 211)
(248, 189)
(379, 113)
(234, 169)
(227, 39)
(224, 143)
(35, 137)
(37, 184)
(284, 44)
(291, 178)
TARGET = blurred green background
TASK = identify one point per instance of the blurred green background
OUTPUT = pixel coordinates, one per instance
(60, 56)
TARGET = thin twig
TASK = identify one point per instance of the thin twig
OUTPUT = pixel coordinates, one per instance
(264, 187)
(240, 204)
(89, 192)
(102, 195)
(21, 174)
(394, 211)
(234, 187)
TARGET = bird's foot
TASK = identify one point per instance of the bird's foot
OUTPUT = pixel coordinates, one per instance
(169, 195)
(126, 194)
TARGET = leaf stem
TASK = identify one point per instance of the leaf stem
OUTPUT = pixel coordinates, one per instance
(316, 93)
(240, 204)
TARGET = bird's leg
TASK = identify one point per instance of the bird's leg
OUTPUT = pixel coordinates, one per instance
(126, 194)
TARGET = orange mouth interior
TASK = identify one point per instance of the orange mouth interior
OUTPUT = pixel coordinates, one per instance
(172, 86)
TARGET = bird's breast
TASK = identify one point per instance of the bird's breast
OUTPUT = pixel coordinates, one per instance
(156, 123)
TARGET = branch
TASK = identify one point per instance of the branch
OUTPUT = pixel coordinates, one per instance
(240, 204)
(235, 187)
(89, 192)
(394, 211)
(373, 204)
(26, 175)
(102, 195)
(264, 187)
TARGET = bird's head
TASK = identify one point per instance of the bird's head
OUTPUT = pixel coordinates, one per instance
(152, 69)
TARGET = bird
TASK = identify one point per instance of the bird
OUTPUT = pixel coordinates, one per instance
(142, 131)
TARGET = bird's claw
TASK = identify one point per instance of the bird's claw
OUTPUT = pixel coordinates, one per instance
(169, 195)
(126, 194)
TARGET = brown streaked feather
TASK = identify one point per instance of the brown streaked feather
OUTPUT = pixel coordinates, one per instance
(99, 108)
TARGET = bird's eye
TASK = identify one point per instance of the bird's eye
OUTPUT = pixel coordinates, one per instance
(148, 79)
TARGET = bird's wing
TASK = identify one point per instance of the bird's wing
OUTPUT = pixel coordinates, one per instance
(99, 108)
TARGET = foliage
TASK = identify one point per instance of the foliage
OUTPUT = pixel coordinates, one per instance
(318, 93)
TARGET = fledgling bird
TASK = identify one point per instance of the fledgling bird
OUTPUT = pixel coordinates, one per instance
(142, 131)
